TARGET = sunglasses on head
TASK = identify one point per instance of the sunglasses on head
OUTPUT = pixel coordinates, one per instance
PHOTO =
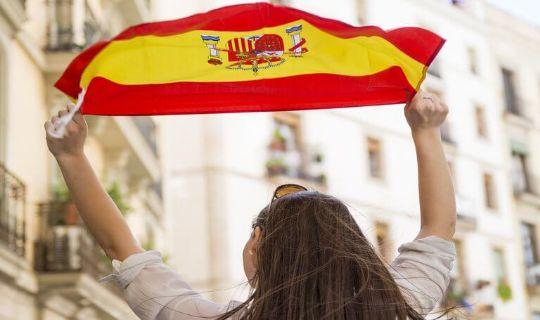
(286, 189)
(281, 191)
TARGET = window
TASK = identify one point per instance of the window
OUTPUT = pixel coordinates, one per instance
(481, 126)
(383, 240)
(71, 26)
(510, 94)
(435, 68)
(520, 173)
(446, 128)
(457, 287)
(473, 60)
(529, 243)
(499, 265)
(286, 147)
(375, 158)
(457, 274)
(490, 196)
(361, 11)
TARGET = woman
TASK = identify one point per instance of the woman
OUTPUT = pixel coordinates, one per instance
(306, 257)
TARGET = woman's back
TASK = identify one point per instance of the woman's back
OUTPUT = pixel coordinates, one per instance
(313, 262)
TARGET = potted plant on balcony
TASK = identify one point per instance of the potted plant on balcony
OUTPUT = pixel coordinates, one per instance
(67, 212)
(276, 166)
(278, 143)
(504, 291)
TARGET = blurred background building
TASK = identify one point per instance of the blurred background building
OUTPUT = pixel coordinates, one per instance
(218, 171)
(49, 265)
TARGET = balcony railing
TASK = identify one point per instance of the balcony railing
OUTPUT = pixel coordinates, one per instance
(147, 128)
(64, 245)
(67, 34)
(293, 163)
(12, 212)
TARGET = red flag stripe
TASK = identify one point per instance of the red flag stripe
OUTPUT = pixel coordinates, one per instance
(385, 87)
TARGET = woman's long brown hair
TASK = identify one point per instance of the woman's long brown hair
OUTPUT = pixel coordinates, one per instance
(315, 263)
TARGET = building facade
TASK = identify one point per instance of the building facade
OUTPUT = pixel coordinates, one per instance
(519, 96)
(220, 170)
(49, 265)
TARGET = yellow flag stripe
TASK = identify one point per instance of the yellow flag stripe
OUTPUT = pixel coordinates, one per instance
(184, 57)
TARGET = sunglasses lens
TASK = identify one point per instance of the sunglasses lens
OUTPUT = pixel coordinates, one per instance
(288, 189)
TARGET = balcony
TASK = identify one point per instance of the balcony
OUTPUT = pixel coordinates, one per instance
(68, 34)
(64, 245)
(68, 263)
(286, 165)
(12, 212)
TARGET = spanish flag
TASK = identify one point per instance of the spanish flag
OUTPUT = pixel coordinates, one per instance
(249, 57)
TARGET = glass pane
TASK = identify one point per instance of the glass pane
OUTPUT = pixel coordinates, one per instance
(528, 241)
(498, 264)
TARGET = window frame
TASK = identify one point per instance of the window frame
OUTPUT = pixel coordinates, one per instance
(490, 191)
(510, 92)
(382, 240)
(480, 117)
(375, 144)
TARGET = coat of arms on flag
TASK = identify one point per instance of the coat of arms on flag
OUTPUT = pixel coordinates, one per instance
(256, 52)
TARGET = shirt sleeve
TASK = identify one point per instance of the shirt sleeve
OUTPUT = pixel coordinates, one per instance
(156, 292)
(422, 271)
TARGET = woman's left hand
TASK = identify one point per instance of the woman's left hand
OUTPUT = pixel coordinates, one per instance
(425, 111)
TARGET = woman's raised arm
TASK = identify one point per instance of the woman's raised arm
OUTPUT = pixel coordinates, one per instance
(96, 208)
(425, 114)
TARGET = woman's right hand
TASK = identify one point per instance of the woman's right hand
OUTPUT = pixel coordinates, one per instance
(72, 143)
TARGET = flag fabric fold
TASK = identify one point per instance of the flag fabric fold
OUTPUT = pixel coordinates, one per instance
(249, 57)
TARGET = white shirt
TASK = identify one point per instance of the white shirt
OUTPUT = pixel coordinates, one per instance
(156, 292)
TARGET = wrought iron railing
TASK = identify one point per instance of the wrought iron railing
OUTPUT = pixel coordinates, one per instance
(295, 164)
(67, 34)
(64, 244)
(147, 128)
(12, 211)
